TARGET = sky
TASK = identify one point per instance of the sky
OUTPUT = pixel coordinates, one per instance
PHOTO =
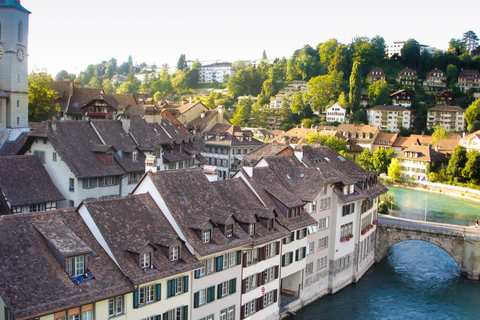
(66, 35)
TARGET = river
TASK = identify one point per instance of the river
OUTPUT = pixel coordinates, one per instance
(416, 280)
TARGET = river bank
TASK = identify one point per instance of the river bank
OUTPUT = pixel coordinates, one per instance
(439, 188)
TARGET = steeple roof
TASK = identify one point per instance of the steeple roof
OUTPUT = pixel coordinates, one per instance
(13, 3)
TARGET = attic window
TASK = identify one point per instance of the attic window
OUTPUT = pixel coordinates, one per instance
(184, 198)
(341, 158)
(206, 236)
(145, 260)
(135, 156)
(109, 158)
(251, 229)
(229, 230)
(76, 266)
(174, 253)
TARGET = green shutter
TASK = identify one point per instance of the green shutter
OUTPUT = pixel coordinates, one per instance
(135, 299)
(165, 316)
(197, 274)
(233, 286)
(210, 294)
(219, 291)
(284, 240)
(292, 236)
(185, 312)
(283, 261)
(304, 249)
(185, 284)
(158, 317)
(195, 300)
(219, 263)
(170, 288)
(298, 234)
(291, 258)
(296, 255)
(159, 292)
(239, 257)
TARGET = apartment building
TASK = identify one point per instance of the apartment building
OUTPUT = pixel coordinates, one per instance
(451, 118)
(436, 80)
(414, 161)
(288, 94)
(216, 72)
(468, 79)
(336, 113)
(389, 118)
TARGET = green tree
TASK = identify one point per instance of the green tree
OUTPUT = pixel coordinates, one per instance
(162, 87)
(381, 160)
(457, 162)
(60, 75)
(297, 105)
(128, 87)
(474, 126)
(324, 90)
(182, 62)
(180, 82)
(471, 41)
(456, 47)
(472, 167)
(94, 83)
(365, 159)
(473, 112)
(439, 134)
(108, 86)
(379, 93)
(452, 72)
(41, 98)
(328, 140)
(394, 169)
(193, 75)
(355, 86)
(386, 201)
(411, 53)
(264, 55)
(243, 112)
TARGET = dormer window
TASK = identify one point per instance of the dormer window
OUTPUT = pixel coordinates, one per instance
(76, 266)
(135, 156)
(109, 158)
(271, 224)
(229, 230)
(293, 212)
(206, 236)
(174, 253)
(145, 260)
(352, 188)
(251, 229)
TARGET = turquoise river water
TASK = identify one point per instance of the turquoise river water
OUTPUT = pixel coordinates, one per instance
(416, 280)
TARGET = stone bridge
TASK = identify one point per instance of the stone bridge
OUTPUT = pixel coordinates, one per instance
(462, 243)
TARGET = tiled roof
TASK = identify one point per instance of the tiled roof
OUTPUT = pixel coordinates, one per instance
(200, 124)
(3, 94)
(447, 109)
(130, 223)
(267, 149)
(424, 153)
(230, 135)
(389, 108)
(33, 282)
(446, 146)
(11, 148)
(24, 180)
(414, 139)
(79, 98)
(192, 199)
(438, 71)
(386, 137)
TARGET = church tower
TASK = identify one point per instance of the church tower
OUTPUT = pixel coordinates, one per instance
(13, 69)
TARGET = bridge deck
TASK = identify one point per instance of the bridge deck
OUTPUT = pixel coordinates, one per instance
(469, 232)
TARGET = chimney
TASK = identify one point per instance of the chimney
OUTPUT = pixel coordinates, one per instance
(220, 114)
(202, 115)
(125, 123)
(54, 124)
(191, 99)
(151, 164)
(436, 148)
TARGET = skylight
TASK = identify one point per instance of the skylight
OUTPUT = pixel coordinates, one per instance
(184, 198)
(289, 177)
(341, 158)
(327, 159)
(302, 175)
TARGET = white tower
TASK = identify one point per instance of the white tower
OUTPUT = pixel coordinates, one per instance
(13, 69)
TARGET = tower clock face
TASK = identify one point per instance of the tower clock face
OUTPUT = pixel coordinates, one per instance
(20, 54)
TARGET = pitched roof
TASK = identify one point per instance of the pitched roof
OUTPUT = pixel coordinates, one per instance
(424, 153)
(267, 149)
(385, 138)
(130, 223)
(446, 146)
(389, 108)
(33, 283)
(447, 108)
(24, 180)
(439, 72)
(193, 201)
(230, 135)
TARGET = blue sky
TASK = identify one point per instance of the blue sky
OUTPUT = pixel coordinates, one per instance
(70, 35)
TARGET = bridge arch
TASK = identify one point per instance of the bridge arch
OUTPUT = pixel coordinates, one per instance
(388, 235)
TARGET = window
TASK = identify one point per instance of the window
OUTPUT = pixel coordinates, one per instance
(270, 274)
(301, 233)
(206, 236)
(209, 317)
(287, 259)
(40, 155)
(348, 209)
(203, 296)
(300, 253)
(251, 229)
(293, 212)
(76, 266)
(325, 204)
(146, 294)
(311, 247)
(109, 158)
(109, 181)
(20, 31)
(269, 298)
(115, 306)
(37, 207)
(145, 260)
(177, 286)
(322, 263)
(210, 265)
(227, 314)
(135, 156)
(229, 230)
(346, 230)
(313, 206)
(89, 183)
(54, 156)
(309, 268)
(322, 243)
(134, 177)
(271, 250)
(251, 257)
(250, 282)
(226, 288)
(176, 314)
(250, 308)
(71, 203)
(174, 253)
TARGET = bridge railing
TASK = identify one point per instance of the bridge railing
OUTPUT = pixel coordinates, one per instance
(469, 232)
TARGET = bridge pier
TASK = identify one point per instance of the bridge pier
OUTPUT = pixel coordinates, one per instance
(471, 260)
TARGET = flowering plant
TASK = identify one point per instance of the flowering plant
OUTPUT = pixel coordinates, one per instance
(375, 222)
(343, 239)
